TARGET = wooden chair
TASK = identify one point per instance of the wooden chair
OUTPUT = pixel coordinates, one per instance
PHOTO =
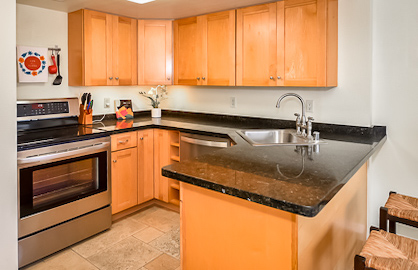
(384, 251)
(399, 208)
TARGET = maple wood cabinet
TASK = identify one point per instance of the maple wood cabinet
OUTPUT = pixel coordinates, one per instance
(102, 49)
(288, 43)
(145, 165)
(124, 171)
(155, 52)
(310, 42)
(166, 151)
(204, 49)
(258, 62)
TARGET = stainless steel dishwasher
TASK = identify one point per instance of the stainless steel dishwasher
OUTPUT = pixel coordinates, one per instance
(193, 145)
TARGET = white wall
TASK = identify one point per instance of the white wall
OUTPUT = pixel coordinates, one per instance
(395, 98)
(8, 182)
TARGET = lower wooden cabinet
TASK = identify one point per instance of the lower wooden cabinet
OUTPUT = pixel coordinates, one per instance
(124, 179)
(137, 159)
(145, 165)
(166, 152)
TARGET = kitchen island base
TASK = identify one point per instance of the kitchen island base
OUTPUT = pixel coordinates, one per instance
(219, 231)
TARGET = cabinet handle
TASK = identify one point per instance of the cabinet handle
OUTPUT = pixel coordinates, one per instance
(141, 138)
(278, 77)
(117, 78)
(168, 78)
(123, 142)
(203, 78)
(271, 77)
(114, 161)
(198, 78)
(110, 78)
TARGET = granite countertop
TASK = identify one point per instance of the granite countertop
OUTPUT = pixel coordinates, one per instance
(296, 179)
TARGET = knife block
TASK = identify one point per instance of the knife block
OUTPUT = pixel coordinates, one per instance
(86, 116)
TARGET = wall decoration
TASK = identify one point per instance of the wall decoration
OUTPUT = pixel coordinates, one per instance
(31, 63)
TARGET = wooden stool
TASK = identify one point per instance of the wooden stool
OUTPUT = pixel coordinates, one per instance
(384, 251)
(399, 208)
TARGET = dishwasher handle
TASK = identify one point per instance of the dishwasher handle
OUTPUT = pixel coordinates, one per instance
(204, 142)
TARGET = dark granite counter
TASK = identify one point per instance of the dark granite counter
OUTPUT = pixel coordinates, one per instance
(296, 179)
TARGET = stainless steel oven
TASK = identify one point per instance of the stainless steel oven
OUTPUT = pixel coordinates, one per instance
(64, 193)
(58, 185)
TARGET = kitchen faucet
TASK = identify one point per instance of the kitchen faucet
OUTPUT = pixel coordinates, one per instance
(301, 125)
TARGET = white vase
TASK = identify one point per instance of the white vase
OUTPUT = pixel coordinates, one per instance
(156, 112)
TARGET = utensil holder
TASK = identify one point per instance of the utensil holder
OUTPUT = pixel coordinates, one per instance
(86, 116)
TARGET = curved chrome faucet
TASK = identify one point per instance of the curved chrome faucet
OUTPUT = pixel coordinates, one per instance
(300, 121)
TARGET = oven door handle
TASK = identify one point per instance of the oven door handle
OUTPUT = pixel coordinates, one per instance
(67, 154)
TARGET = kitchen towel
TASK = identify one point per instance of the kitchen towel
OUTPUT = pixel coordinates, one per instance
(31, 63)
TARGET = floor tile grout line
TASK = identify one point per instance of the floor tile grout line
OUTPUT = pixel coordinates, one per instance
(87, 260)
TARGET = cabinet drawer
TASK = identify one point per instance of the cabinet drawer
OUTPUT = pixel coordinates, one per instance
(123, 141)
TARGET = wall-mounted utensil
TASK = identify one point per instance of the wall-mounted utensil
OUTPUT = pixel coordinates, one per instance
(53, 68)
(58, 79)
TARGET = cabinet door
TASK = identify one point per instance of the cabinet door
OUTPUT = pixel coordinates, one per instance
(155, 52)
(187, 50)
(124, 179)
(218, 48)
(125, 65)
(145, 165)
(256, 45)
(161, 159)
(97, 48)
(310, 43)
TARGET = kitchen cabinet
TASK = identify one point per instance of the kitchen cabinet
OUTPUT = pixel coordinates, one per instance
(124, 179)
(155, 52)
(166, 151)
(145, 165)
(241, 234)
(204, 49)
(102, 49)
(310, 42)
(259, 62)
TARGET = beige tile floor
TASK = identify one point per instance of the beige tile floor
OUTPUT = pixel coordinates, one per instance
(146, 240)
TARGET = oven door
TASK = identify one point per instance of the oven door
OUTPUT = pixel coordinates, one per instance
(62, 182)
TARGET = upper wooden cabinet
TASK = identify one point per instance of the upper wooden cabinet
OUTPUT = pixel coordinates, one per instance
(204, 49)
(102, 49)
(258, 62)
(155, 52)
(311, 42)
(288, 43)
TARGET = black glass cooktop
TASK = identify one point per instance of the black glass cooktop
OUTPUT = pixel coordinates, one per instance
(35, 134)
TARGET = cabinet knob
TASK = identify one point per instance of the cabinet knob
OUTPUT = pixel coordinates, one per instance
(117, 78)
(278, 77)
(203, 78)
(110, 78)
(198, 78)
(168, 78)
(114, 161)
(271, 77)
(142, 138)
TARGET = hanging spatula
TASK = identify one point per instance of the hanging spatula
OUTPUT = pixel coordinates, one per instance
(58, 79)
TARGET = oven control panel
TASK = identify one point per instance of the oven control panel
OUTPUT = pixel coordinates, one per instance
(47, 108)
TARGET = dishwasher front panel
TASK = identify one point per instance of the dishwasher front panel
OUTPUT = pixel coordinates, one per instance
(194, 145)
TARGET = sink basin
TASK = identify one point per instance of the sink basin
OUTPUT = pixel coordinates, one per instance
(260, 137)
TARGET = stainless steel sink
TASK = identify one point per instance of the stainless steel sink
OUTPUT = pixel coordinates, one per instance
(261, 137)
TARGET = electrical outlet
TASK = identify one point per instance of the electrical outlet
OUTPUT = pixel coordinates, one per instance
(233, 102)
(107, 103)
(309, 106)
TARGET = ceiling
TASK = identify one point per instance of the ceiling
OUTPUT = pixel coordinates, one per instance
(160, 9)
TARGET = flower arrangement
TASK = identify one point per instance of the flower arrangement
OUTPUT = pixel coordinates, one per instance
(156, 95)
